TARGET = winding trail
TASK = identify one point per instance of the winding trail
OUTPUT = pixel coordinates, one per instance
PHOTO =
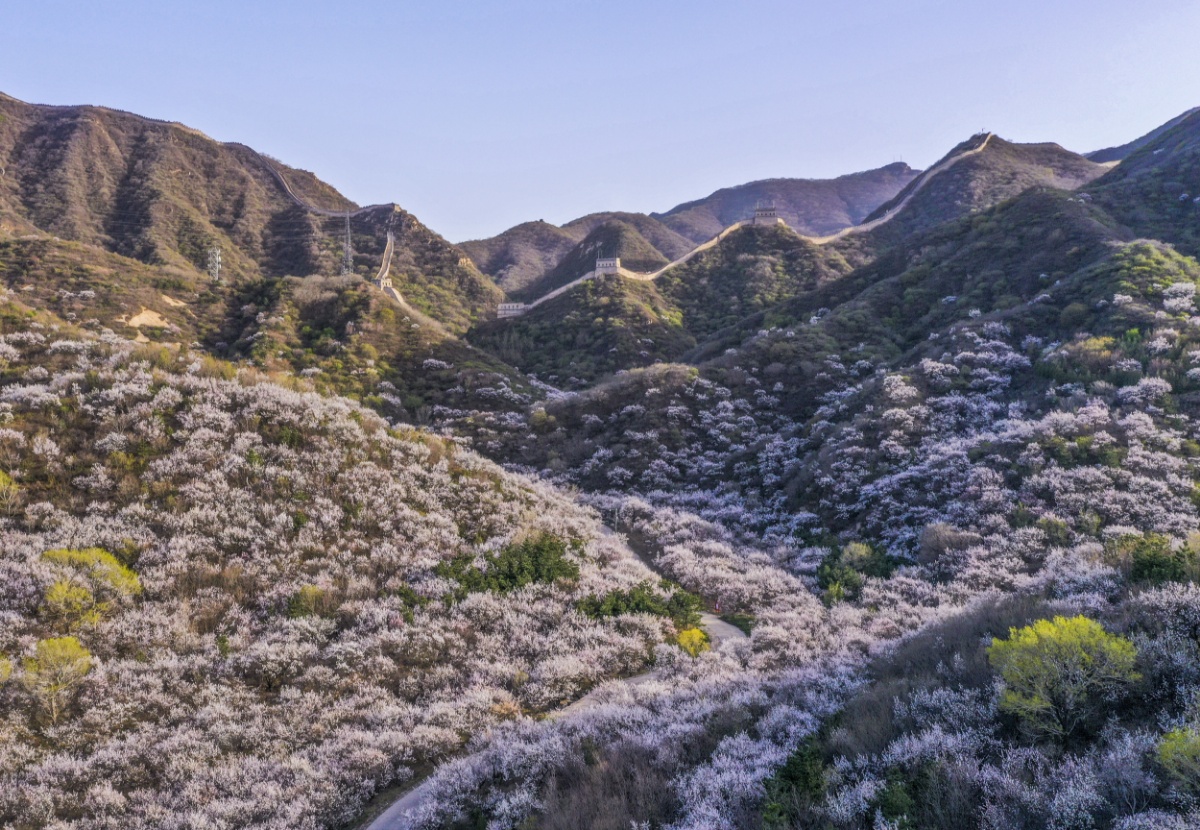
(919, 185)
(398, 816)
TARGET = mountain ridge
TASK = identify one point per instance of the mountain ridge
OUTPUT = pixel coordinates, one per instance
(1122, 151)
(165, 194)
(813, 207)
(305, 544)
(532, 257)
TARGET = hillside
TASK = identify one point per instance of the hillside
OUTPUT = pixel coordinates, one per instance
(999, 171)
(814, 207)
(595, 329)
(991, 425)
(752, 269)
(154, 191)
(755, 269)
(614, 237)
(268, 596)
(616, 323)
(519, 257)
(165, 194)
(536, 257)
(283, 550)
(1156, 189)
(665, 241)
(835, 333)
(339, 332)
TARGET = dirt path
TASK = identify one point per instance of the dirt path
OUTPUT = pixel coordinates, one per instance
(398, 816)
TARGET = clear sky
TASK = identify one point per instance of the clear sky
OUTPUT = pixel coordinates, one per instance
(478, 115)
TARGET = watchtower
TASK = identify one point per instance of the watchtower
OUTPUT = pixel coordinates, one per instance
(766, 215)
(608, 265)
(506, 310)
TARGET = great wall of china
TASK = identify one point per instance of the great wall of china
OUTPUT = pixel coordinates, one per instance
(762, 216)
(606, 266)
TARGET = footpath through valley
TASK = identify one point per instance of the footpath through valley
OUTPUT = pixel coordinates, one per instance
(399, 816)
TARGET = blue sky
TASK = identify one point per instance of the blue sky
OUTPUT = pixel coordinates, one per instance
(478, 115)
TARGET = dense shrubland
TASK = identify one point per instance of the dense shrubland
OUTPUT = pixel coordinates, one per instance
(1156, 189)
(1022, 426)
(752, 270)
(947, 482)
(955, 733)
(236, 604)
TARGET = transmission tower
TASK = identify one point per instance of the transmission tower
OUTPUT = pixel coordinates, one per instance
(214, 264)
(348, 256)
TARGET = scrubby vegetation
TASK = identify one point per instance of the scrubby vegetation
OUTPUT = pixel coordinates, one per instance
(999, 406)
(541, 559)
(935, 742)
(223, 597)
(944, 477)
(591, 331)
(682, 607)
(750, 271)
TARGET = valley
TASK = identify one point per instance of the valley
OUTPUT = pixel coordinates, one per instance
(773, 524)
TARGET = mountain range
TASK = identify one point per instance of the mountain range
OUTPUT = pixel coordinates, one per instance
(536, 257)
(806, 523)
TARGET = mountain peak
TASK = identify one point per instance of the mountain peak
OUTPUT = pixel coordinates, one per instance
(977, 173)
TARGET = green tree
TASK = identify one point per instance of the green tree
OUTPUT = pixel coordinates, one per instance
(70, 606)
(541, 558)
(1179, 755)
(1058, 533)
(9, 492)
(93, 581)
(1059, 672)
(99, 565)
(309, 601)
(54, 672)
(681, 606)
(795, 786)
(841, 573)
(1152, 560)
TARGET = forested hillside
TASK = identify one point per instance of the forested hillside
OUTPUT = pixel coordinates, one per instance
(281, 548)
(986, 433)
(237, 600)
